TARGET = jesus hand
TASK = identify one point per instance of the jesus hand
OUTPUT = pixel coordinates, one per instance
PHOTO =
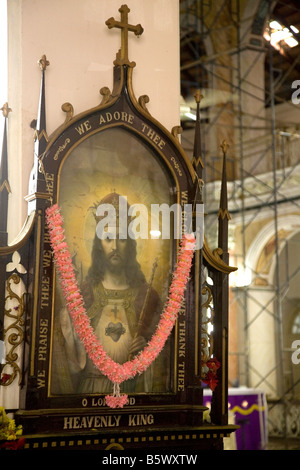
(138, 343)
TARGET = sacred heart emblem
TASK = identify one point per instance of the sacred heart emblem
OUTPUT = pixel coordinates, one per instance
(115, 330)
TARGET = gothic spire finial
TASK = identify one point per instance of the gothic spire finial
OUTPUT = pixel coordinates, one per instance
(198, 96)
(197, 153)
(224, 146)
(4, 184)
(5, 110)
(43, 62)
(40, 133)
(223, 213)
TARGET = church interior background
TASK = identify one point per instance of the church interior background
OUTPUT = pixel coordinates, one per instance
(243, 56)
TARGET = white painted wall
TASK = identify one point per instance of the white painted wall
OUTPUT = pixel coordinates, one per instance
(81, 50)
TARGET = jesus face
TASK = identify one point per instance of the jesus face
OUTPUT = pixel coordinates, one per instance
(115, 252)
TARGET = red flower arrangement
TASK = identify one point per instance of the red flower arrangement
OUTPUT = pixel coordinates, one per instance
(210, 377)
(13, 445)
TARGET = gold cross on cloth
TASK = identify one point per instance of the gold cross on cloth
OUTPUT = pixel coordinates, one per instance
(115, 310)
(122, 55)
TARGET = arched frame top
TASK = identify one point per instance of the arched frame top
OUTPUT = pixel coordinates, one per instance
(119, 108)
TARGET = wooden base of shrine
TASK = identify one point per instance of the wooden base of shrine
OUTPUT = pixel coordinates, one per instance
(157, 428)
(189, 439)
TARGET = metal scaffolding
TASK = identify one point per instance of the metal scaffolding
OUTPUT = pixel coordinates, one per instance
(264, 201)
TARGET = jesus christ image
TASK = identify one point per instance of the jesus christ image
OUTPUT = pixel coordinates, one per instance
(123, 309)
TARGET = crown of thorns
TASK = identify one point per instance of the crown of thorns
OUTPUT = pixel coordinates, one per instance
(112, 199)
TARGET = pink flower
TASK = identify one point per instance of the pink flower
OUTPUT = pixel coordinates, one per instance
(116, 402)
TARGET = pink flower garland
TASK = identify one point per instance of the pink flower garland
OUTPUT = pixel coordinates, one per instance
(115, 372)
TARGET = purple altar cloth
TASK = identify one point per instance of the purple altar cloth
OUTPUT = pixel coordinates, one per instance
(249, 407)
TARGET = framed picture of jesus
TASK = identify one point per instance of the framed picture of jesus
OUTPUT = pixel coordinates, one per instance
(109, 187)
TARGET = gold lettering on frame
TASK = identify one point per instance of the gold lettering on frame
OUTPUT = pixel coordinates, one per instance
(87, 422)
(123, 116)
(180, 378)
(61, 148)
(176, 166)
(45, 291)
(47, 257)
(140, 420)
(152, 135)
(184, 197)
(43, 340)
(181, 348)
(100, 401)
(41, 379)
(106, 421)
(181, 339)
(49, 183)
(84, 127)
(42, 352)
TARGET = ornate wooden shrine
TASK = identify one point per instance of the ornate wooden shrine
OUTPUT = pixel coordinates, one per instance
(115, 149)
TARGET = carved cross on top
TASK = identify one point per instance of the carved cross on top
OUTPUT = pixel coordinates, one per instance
(122, 56)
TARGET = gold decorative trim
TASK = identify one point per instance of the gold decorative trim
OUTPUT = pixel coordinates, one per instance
(206, 337)
(14, 333)
(37, 135)
(114, 443)
(33, 196)
(69, 110)
(106, 95)
(43, 62)
(143, 100)
(176, 131)
(5, 110)
(215, 260)
(197, 161)
(6, 185)
(224, 213)
(198, 96)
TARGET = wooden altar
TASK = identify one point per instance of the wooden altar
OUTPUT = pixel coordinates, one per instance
(116, 148)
